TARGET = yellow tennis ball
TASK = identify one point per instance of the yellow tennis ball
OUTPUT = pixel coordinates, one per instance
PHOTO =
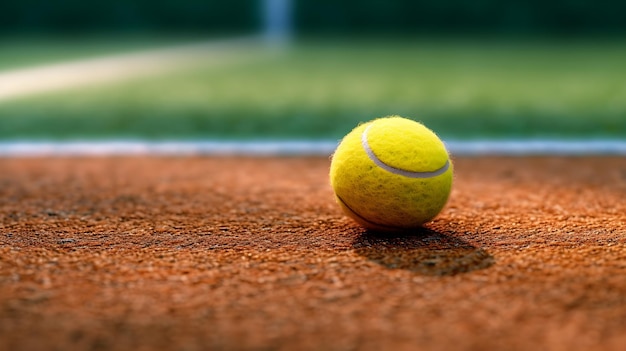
(391, 173)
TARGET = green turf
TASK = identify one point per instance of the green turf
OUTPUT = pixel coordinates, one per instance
(27, 51)
(321, 90)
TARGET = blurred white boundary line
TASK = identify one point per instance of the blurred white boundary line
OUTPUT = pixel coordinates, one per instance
(537, 147)
(40, 79)
(296, 148)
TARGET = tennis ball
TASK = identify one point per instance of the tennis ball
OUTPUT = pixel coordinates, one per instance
(391, 174)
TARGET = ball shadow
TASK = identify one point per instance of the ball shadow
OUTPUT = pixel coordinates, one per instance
(423, 251)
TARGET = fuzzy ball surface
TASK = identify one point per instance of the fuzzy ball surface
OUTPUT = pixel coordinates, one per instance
(391, 174)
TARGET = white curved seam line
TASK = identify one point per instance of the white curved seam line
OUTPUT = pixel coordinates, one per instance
(399, 171)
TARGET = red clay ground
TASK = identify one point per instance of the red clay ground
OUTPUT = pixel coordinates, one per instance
(253, 254)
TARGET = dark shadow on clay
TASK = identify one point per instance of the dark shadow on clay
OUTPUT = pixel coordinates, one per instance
(423, 251)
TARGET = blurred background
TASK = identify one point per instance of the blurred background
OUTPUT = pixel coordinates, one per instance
(310, 69)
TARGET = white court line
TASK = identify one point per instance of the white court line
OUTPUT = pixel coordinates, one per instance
(538, 147)
(296, 148)
(34, 80)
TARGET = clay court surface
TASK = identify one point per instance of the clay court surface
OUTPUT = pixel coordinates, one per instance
(223, 253)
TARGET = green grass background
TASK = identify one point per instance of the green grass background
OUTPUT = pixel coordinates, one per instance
(463, 89)
(26, 51)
